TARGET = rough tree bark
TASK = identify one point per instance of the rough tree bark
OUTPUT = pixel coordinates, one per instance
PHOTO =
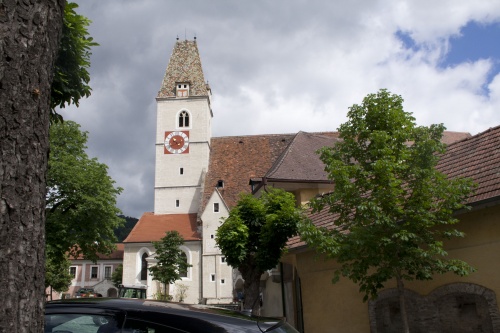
(251, 286)
(29, 39)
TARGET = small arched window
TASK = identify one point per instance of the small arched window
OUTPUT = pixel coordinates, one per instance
(184, 119)
(144, 267)
(183, 272)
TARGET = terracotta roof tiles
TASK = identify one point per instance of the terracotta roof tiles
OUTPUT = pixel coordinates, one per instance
(236, 159)
(151, 227)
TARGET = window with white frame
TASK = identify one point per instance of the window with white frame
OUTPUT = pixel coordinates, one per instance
(94, 271)
(184, 119)
(72, 271)
(216, 207)
(222, 281)
(212, 277)
(223, 260)
(107, 272)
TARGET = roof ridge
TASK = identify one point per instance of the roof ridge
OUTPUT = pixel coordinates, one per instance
(475, 136)
(282, 156)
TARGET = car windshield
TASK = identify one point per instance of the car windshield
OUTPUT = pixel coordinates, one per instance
(80, 323)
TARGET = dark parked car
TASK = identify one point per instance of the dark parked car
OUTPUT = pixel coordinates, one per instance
(101, 315)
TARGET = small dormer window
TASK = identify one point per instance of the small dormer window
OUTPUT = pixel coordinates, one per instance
(182, 89)
(220, 183)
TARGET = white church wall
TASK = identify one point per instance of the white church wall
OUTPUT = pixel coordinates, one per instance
(217, 274)
(132, 261)
(166, 200)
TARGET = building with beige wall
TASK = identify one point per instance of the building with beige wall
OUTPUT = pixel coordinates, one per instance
(447, 303)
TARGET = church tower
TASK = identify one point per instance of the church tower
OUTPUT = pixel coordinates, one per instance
(183, 132)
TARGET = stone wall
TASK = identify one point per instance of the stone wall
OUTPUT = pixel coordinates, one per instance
(453, 308)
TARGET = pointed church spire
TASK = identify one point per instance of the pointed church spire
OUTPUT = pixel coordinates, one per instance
(184, 67)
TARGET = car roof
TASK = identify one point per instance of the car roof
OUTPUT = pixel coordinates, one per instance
(220, 319)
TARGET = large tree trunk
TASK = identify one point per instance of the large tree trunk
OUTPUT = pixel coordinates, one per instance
(402, 305)
(30, 31)
(251, 288)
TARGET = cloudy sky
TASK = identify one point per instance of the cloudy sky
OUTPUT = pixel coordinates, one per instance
(282, 67)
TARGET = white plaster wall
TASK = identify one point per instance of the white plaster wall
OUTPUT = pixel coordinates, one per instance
(192, 281)
(200, 121)
(220, 290)
(132, 261)
(211, 222)
(168, 179)
(132, 271)
(165, 200)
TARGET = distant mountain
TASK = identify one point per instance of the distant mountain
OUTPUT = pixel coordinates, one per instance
(122, 232)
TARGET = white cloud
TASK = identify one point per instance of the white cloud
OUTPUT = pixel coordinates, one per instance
(276, 67)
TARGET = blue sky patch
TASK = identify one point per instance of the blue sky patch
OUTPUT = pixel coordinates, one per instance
(476, 41)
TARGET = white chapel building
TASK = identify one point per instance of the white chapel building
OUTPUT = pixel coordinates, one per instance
(183, 138)
(199, 178)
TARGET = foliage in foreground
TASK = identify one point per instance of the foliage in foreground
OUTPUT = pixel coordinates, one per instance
(171, 260)
(81, 199)
(254, 235)
(392, 209)
(71, 76)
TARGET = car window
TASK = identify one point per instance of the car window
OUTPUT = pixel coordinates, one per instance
(80, 323)
(140, 326)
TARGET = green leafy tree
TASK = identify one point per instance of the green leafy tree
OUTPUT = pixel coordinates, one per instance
(171, 260)
(117, 275)
(391, 208)
(57, 275)
(71, 76)
(81, 198)
(254, 235)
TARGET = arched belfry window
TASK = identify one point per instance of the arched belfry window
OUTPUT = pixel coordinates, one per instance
(184, 119)
(144, 267)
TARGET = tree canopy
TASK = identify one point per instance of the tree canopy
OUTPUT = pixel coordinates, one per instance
(171, 259)
(254, 235)
(391, 208)
(71, 76)
(81, 198)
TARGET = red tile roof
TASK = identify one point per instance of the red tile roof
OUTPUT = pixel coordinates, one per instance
(115, 255)
(477, 157)
(236, 159)
(151, 227)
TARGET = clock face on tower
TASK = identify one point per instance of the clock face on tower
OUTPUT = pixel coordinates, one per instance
(176, 142)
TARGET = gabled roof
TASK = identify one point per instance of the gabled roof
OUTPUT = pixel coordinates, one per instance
(236, 159)
(184, 66)
(287, 157)
(476, 157)
(299, 161)
(151, 227)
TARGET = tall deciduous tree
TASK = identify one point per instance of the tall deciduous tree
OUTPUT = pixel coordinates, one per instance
(29, 39)
(171, 260)
(391, 208)
(254, 235)
(57, 275)
(81, 198)
(71, 79)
